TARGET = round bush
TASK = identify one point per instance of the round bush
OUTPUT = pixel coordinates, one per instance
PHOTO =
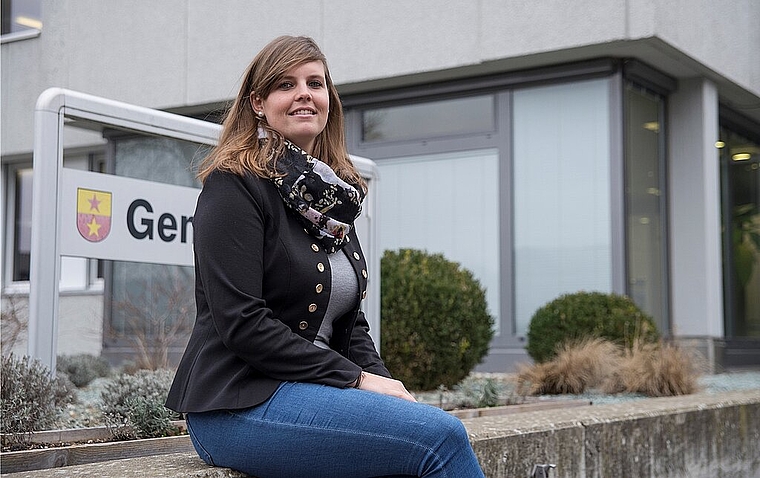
(436, 326)
(584, 315)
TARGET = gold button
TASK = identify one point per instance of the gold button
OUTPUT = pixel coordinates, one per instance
(303, 325)
(312, 308)
(315, 248)
(319, 288)
(364, 294)
(364, 273)
(320, 267)
(357, 256)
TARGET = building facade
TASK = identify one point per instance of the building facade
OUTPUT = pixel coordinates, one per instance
(549, 147)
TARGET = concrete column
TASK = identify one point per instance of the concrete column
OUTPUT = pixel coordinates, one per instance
(694, 193)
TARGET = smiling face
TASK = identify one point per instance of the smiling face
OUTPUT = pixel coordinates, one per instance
(298, 105)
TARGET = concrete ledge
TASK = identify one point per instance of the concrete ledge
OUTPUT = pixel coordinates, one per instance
(695, 436)
(174, 465)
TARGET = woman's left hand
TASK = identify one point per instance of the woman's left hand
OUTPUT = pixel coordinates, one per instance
(384, 385)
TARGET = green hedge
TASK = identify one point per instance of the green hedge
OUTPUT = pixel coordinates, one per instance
(584, 315)
(435, 323)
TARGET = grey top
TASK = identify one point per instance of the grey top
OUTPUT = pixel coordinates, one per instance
(345, 289)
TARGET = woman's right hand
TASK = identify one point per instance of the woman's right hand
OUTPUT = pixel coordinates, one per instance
(384, 385)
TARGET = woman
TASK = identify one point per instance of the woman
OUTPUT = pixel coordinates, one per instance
(280, 377)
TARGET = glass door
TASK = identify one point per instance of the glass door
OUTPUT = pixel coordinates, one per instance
(740, 168)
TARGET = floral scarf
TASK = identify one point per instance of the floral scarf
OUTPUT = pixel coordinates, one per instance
(323, 202)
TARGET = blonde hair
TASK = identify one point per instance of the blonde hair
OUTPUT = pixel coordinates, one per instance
(239, 149)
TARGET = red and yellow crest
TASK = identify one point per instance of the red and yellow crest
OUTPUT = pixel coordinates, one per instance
(93, 214)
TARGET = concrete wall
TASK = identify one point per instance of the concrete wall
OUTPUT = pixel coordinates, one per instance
(695, 436)
(80, 324)
(186, 52)
(695, 225)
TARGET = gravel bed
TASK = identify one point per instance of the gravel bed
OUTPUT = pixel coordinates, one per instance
(86, 412)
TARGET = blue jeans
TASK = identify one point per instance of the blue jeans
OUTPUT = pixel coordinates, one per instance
(309, 430)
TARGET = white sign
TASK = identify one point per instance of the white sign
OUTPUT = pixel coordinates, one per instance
(112, 217)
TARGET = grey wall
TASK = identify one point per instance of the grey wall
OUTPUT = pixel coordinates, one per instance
(176, 53)
(695, 225)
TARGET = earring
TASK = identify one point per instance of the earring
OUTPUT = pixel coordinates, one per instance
(260, 114)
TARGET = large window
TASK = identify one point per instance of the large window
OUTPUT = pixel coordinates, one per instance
(645, 203)
(544, 186)
(561, 189)
(150, 307)
(445, 203)
(740, 170)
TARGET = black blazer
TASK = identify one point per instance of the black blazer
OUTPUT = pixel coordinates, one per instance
(262, 285)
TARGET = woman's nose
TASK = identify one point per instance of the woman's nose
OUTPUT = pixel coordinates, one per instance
(303, 93)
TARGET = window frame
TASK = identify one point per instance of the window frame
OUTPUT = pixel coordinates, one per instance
(91, 283)
(8, 33)
(731, 121)
(10, 170)
(501, 86)
(424, 87)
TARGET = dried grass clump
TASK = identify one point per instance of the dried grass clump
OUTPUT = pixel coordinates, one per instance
(652, 369)
(577, 367)
(656, 370)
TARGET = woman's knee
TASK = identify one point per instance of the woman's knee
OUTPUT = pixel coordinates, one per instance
(457, 431)
(450, 427)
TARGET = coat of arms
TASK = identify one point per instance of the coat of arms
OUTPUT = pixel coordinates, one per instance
(93, 214)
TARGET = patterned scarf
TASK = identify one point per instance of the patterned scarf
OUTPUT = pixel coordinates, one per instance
(324, 203)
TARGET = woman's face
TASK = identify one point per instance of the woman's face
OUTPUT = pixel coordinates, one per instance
(298, 105)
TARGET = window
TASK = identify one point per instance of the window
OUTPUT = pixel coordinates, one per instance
(522, 185)
(150, 305)
(22, 228)
(445, 203)
(20, 15)
(432, 119)
(740, 175)
(561, 190)
(645, 197)
(76, 273)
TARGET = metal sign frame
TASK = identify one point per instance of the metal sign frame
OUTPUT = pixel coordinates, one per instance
(55, 104)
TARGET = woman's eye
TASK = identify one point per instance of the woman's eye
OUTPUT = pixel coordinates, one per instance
(315, 84)
(285, 85)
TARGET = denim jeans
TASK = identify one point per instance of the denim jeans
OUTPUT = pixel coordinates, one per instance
(309, 430)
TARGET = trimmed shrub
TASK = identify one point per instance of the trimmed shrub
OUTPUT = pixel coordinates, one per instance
(436, 325)
(133, 405)
(83, 368)
(584, 315)
(30, 397)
